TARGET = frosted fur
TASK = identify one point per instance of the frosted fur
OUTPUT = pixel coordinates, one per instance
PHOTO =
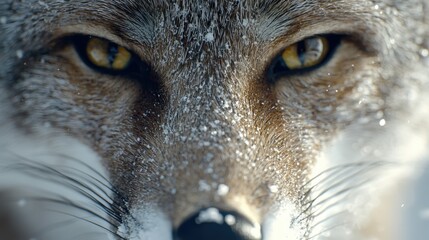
(301, 156)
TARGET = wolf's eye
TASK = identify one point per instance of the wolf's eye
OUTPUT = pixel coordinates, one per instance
(107, 55)
(307, 53)
(103, 55)
(303, 56)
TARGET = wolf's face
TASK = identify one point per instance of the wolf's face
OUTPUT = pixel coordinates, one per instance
(206, 120)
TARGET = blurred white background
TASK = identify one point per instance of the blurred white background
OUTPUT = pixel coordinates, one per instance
(414, 219)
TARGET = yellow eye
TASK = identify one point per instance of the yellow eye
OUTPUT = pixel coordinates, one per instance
(107, 55)
(307, 53)
(303, 56)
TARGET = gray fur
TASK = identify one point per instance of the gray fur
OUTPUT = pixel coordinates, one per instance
(214, 119)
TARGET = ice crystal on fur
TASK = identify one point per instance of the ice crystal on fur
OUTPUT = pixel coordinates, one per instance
(200, 120)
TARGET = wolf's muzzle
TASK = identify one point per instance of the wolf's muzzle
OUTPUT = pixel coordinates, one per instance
(214, 224)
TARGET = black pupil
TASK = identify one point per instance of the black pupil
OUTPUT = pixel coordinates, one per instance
(113, 51)
(301, 49)
(280, 66)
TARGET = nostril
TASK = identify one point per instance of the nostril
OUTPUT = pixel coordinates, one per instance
(214, 224)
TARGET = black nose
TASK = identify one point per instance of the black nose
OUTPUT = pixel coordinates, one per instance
(214, 224)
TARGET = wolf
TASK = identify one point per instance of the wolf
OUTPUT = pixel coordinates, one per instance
(236, 120)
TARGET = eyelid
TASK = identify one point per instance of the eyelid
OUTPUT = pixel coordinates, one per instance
(97, 31)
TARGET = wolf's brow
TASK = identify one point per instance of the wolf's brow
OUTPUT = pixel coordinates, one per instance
(138, 20)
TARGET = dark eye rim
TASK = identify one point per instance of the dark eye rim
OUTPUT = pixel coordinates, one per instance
(138, 71)
(334, 40)
(135, 66)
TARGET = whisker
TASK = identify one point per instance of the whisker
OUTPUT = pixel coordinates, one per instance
(107, 184)
(335, 185)
(330, 181)
(328, 218)
(67, 203)
(332, 169)
(327, 190)
(52, 227)
(114, 209)
(365, 165)
(91, 222)
(329, 229)
(335, 203)
(96, 188)
(80, 188)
